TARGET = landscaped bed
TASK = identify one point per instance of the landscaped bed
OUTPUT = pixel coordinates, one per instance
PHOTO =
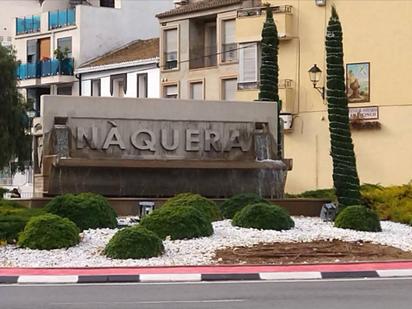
(201, 251)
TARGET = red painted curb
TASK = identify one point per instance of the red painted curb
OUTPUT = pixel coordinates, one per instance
(209, 269)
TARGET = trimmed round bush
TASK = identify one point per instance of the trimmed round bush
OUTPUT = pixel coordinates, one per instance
(134, 243)
(237, 202)
(48, 232)
(359, 218)
(197, 201)
(11, 226)
(87, 210)
(263, 216)
(179, 222)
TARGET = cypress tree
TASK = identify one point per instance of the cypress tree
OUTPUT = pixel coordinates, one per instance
(269, 70)
(345, 176)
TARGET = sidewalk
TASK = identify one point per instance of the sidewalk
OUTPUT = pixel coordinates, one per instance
(206, 273)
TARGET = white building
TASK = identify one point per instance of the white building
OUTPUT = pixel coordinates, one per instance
(86, 29)
(129, 71)
(9, 9)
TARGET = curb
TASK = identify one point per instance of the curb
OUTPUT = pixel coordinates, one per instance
(197, 277)
(206, 273)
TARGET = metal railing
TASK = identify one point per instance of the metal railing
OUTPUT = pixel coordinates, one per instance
(283, 84)
(258, 11)
(170, 60)
(28, 24)
(229, 52)
(202, 57)
(45, 68)
(62, 18)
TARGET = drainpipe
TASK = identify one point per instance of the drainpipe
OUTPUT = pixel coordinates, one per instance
(79, 77)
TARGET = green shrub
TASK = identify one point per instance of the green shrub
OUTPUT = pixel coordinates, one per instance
(134, 243)
(87, 210)
(2, 191)
(237, 202)
(9, 205)
(325, 194)
(197, 201)
(48, 232)
(263, 216)
(13, 218)
(179, 222)
(390, 203)
(359, 218)
(11, 226)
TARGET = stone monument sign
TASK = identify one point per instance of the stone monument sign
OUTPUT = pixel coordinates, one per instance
(127, 147)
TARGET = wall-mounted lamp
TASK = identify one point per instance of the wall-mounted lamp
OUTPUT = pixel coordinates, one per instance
(314, 74)
(320, 2)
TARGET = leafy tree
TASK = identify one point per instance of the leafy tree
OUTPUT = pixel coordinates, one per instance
(15, 143)
(269, 70)
(345, 176)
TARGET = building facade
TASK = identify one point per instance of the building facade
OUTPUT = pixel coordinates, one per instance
(130, 71)
(198, 50)
(380, 107)
(378, 70)
(54, 41)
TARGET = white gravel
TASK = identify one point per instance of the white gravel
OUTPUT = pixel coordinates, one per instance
(199, 251)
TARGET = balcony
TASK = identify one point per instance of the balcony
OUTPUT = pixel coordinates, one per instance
(250, 21)
(203, 57)
(28, 24)
(46, 68)
(62, 18)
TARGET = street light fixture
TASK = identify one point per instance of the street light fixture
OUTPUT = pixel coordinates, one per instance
(314, 75)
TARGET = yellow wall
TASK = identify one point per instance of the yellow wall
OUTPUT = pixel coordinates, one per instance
(378, 32)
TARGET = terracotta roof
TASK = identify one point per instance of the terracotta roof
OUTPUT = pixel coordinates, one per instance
(198, 6)
(136, 50)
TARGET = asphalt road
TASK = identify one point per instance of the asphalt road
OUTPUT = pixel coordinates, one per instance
(365, 294)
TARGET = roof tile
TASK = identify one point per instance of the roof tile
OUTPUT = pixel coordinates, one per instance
(198, 6)
(135, 50)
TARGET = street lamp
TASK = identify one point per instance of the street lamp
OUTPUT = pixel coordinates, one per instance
(314, 75)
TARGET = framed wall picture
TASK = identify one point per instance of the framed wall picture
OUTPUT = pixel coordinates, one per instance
(357, 82)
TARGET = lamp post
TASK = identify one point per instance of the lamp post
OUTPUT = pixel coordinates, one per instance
(314, 75)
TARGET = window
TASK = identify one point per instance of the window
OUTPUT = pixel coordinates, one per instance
(32, 51)
(65, 44)
(196, 91)
(64, 90)
(95, 91)
(170, 49)
(248, 65)
(170, 91)
(229, 87)
(107, 3)
(229, 45)
(118, 85)
(142, 85)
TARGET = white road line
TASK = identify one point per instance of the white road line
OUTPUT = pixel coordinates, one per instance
(290, 275)
(154, 302)
(395, 273)
(47, 279)
(170, 277)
